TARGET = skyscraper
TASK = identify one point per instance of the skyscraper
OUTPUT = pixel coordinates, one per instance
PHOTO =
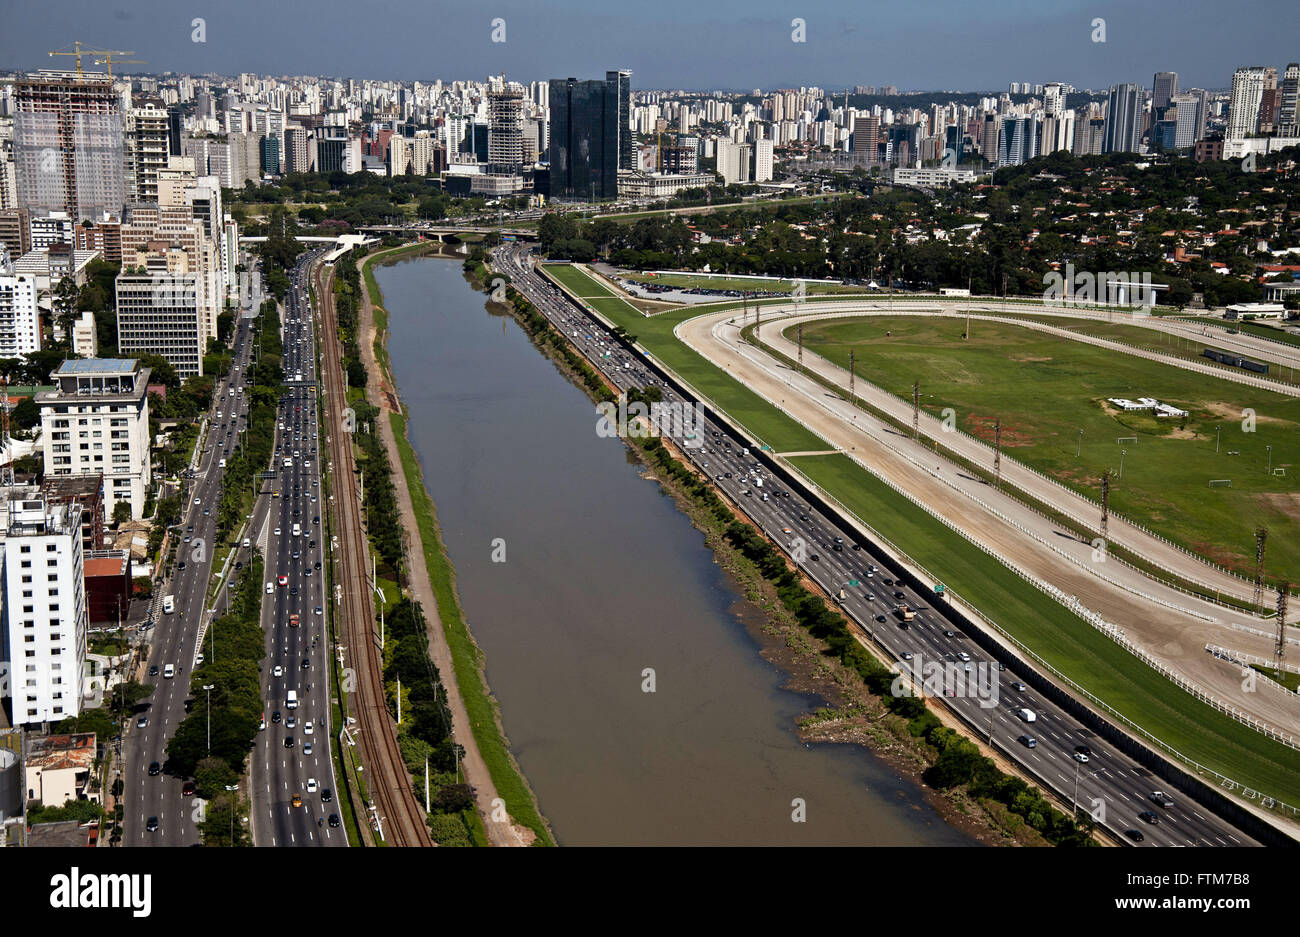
(620, 85)
(68, 144)
(1247, 92)
(1123, 127)
(1288, 124)
(148, 145)
(584, 138)
(506, 130)
(1164, 88)
(1017, 141)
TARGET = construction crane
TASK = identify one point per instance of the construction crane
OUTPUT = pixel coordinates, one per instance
(108, 60)
(78, 50)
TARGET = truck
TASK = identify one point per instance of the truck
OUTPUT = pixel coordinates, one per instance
(905, 613)
(169, 604)
(291, 699)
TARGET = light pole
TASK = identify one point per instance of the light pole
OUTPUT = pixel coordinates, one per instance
(1122, 453)
(1270, 459)
(1079, 454)
(233, 801)
(1218, 433)
(207, 689)
(1074, 815)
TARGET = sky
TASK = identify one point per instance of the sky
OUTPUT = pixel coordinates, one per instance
(955, 45)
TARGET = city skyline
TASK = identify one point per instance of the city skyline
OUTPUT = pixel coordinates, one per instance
(733, 47)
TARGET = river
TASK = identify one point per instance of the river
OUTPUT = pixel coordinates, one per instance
(602, 579)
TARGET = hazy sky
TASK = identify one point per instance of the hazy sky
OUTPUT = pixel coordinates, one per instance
(740, 44)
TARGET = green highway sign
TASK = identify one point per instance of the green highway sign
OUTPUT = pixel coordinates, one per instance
(854, 582)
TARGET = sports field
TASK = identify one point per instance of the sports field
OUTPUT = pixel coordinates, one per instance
(1046, 390)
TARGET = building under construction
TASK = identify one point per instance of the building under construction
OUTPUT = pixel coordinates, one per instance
(68, 144)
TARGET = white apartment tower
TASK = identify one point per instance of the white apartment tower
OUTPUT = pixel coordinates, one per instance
(45, 614)
(96, 421)
(20, 331)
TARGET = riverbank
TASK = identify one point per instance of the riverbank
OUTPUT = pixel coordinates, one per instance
(504, 798)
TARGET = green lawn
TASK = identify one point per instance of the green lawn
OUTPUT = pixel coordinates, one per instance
(1065, 641)
(1045, 390)
(730, 283)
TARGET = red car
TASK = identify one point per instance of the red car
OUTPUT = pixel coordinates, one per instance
(187, 790)
(283, 580)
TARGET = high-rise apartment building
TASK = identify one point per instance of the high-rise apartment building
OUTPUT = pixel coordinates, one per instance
(1017, 140)
(45, 613)
(68, 137)
(506, 130)
(159, 311)
(1123, 128)
(147, 150)
(20, 327)
(96, 422)
(1248, 85)
(1288, 115)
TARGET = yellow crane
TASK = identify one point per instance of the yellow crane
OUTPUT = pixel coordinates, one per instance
(78, 50)
(108, 60)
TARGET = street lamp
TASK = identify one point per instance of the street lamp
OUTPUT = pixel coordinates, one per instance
(1079, 454)
(1218, 433)
(1270, 459)
(1122, 453)
(207, 689)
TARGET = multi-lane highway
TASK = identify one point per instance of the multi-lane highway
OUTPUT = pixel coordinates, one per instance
(1108, 782)
(292, 783)
(157, 811)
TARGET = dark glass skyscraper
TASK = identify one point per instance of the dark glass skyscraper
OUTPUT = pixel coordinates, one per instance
(620, 85)
(584, 147)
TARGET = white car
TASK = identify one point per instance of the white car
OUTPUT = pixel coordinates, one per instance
(270, 588)
(306, 748)
(277, 531)
(306, 729)
(278, 671)
(311, 785)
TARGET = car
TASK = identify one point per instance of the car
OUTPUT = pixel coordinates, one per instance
(1026, 715)
(1135, 835)
(152, 825)
(293, 590)
(270, 587)
(275, 717)
(1018, 687)
(318, 564)
(306, 748)
(907, 655)
(181, 566)
(1028, 741)
(1083, 750)
(311, 786)
(334, 820)
(1148, 816)
(307, 729)
(326, 795)
(899, 595)
(1081, 758)
(803, 517)
(154, 769)
(187, 789)
(142, 722)
(838, 548)
(196, 501)
(319, 610)
(207, 512)
(291, 722)
(297, 800)
(306, 664)
(288, 741)
(277, 530)
(948, 633)
(283, 580)
(277, 671)
(1161, 798)
(153, 670)
(815, 558)
(881, 619)
(187, 539)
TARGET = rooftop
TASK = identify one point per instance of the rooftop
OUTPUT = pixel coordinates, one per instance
(89, 366)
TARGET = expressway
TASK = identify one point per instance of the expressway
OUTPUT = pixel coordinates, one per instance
(152, 796)
(1108, 782)
(291, 756)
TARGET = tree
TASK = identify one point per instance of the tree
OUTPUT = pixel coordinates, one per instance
(125, 696)
(65, 307)
(212, 776)
(454, 798)
(121, 512)
(223, 822)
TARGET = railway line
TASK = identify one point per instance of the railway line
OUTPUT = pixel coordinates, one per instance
(399, 819)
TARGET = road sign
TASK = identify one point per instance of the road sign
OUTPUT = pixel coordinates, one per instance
(938, 588)
(854, 582)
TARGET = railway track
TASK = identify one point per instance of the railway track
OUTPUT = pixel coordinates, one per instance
(387, 780)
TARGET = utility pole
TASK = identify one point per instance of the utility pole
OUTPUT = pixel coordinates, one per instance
(916, 409)
(399, 701)
(1105, 501)
(851, 400)
(997, 453)
(1261, 540)
(208, 688)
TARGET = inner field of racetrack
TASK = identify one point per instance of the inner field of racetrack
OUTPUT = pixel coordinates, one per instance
(1044, 626)
(1045, 389)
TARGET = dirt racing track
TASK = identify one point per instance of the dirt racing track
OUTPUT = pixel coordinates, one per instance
(1165, 624)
